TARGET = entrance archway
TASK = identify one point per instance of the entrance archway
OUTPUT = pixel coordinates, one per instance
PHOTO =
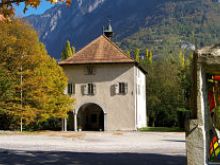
(90, 118)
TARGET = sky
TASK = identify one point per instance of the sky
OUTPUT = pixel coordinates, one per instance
(41, 9)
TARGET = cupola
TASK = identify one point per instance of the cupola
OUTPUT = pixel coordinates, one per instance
(108, 31)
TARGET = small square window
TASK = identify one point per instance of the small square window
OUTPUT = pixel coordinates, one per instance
(89, 70)
(122, 88)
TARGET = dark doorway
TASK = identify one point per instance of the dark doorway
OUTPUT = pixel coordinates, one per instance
(91, 118)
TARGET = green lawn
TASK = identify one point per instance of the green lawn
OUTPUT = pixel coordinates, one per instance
(161, 129)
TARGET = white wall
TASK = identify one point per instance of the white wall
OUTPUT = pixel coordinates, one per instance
(119, 109)
(141, 109)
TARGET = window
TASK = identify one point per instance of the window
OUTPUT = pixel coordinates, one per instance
(89, 89)
(89, 70)
(121, 88)
(71, 88)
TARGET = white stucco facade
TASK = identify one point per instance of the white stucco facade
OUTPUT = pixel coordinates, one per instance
(109, 88)
(121, 111)
(140, 99)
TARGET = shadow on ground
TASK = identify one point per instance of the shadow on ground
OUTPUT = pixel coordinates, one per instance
(180, 141)
(15, 157)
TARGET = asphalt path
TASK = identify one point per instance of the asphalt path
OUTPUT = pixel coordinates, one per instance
(93, 148)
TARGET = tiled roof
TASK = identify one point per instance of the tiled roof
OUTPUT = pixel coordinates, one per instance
(100, 50)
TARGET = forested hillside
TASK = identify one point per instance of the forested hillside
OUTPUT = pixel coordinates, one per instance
(157, 24)
(181, 24)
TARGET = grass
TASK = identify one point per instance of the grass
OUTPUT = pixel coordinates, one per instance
(161, 129)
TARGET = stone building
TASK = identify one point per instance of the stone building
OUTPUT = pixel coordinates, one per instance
(202, 134)
(109, 88)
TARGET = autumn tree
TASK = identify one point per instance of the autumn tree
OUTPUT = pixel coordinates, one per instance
(7, 7)
(146, 53)
(128, 52)
(6, 94)
(137, 55)
(33, 88)
(68, 51)
(148, 56)
(181, 59)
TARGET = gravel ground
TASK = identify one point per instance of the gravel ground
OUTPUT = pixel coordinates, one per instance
(85, 148)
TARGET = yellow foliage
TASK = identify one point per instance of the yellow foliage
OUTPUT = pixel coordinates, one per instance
(7, 7)
(43, 80)
(181, 59)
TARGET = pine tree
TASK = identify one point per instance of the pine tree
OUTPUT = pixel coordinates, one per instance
(68, 51)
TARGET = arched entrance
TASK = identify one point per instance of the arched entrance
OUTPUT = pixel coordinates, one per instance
(90, 118)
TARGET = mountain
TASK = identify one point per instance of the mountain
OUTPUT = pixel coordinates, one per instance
(156, 24)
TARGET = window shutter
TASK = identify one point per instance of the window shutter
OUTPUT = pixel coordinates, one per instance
(94, 89)
(112, 90)
(85, 89)
(73, 88)
(126, 88)
(117, 88)
(70, 88)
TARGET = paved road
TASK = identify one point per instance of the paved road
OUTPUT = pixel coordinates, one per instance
(90, 148)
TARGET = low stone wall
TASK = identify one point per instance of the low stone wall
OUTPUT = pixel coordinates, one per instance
(194, 143)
